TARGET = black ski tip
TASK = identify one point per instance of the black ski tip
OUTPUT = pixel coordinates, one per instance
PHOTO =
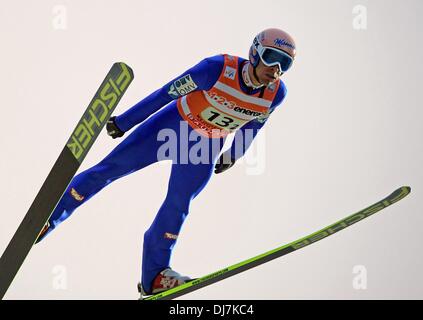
(406, 188)
(120, 64)
(400, 193)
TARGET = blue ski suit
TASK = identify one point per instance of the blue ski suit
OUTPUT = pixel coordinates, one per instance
(140, 148)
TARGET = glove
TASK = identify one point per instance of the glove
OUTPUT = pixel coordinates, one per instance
(112, 129)
(224, 163)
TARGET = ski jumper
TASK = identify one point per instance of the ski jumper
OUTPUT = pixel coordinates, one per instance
(208, 101)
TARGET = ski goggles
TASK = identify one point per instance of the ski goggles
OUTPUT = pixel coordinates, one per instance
(274, 57)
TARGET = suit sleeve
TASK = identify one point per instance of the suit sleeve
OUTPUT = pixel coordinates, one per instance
(200, 77)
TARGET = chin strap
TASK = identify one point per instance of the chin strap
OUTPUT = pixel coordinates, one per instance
(247, 79)
(255, 74)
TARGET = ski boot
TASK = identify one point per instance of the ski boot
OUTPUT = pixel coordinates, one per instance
(44, 232)
(165, 280)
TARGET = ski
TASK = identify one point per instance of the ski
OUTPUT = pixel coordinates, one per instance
(86, 132)
(281, 251)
